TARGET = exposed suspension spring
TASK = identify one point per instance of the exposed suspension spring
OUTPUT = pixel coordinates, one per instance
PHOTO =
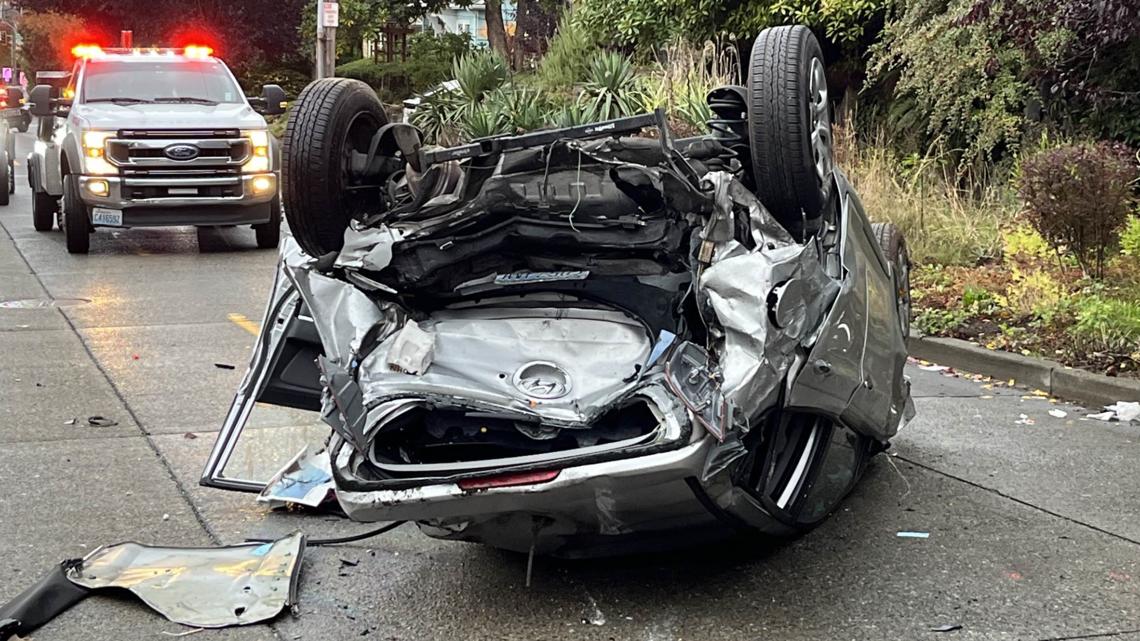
(729, 122)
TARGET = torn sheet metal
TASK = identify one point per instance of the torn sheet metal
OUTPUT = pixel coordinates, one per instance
(412, 350)
(201, 587)
(367, 249)
(305, 480)
(756, 353)
(198, 587)
(342, 403)
(344, 315)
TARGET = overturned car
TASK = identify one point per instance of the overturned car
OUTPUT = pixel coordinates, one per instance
(577, 340)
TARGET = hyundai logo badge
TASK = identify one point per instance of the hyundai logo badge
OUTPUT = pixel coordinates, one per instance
(181, 152)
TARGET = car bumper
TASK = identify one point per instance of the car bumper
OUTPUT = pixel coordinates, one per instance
(252, 206)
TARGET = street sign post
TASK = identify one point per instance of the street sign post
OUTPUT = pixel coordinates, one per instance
(328, 19)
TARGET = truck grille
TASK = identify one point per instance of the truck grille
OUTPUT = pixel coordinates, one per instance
(148, 173)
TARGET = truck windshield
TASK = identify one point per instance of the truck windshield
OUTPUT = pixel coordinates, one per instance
(188, 81)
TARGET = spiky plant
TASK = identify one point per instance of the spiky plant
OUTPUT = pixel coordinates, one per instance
(572, 114)
(483, 120)
(611, 85)
(479, 73)
(438, 118)
(525, 109)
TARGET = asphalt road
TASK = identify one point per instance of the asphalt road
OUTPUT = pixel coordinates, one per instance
(1034, 524)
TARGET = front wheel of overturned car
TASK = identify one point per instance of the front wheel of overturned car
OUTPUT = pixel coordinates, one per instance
(76, 226)
(893, 244)
(269, 234)
(327, 139)
(789, 124)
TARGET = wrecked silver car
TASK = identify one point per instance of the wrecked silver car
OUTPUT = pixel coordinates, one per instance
(578, 340)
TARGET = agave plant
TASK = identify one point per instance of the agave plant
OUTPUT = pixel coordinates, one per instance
(438, 118)
(479, 73)
(573, 114)
(482, 121)
(611, 86)
(525, 109)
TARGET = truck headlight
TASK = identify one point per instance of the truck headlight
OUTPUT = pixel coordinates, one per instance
(259, 154)
(94, 153)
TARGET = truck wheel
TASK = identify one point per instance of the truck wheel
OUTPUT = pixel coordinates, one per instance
(269, 234)
(893, 244)
(331, 121)
(789, 123)
(44, 207)
(76, 226)
(6, 176)
(11, 177)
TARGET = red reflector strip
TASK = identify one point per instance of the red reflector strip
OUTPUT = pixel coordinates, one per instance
(507, 480)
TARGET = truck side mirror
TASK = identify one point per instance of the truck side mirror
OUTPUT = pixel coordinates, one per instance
(15, 97)
(43, 102)
(272, 101)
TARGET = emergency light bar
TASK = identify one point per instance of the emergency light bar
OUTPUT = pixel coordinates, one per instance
(95, 52)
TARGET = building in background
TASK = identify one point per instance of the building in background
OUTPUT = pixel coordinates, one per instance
(470, 19)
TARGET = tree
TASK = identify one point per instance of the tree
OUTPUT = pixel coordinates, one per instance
(48, 39)
(496, 30)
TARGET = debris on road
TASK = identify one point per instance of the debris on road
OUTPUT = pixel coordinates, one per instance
(1122, 411)
(197, 587)
(913, 535)
(949, 627)
(223, 366)
(1024, 420)
(306, 480)
(101, 421)
(1056, 413)
(69, 421)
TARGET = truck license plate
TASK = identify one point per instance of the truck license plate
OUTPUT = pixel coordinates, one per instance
(104, 216)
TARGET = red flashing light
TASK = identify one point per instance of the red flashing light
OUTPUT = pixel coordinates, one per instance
(87, 51)
(197, 51)
(508, 480)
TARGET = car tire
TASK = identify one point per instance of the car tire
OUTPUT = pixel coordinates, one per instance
(269, 234)
(11, 177)
(789, 126)
(76, 226)
(331, 117)
(44, 208)
(6, 177)
(893, 244)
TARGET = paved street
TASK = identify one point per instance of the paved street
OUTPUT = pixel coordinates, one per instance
(1034, 527)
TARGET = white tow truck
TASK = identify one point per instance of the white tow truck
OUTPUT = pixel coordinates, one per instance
(153, 138)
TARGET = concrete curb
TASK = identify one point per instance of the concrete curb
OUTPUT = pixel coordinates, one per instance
(1094, 390)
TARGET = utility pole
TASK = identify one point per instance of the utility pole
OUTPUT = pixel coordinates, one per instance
(328, 18)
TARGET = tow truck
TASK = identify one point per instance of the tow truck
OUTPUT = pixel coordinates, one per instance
(153, 138)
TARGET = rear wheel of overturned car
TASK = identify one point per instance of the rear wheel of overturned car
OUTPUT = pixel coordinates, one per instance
(76, 226)
(789, 124)
(269, 234)
(893, 244)
(327, 137)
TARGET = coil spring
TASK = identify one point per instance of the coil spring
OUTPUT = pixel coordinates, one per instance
(730, 116)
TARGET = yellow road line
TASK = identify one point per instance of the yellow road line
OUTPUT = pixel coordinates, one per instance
(244, 323)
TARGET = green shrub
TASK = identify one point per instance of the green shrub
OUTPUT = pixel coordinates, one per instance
(525, 109)
(481, 121)
(1130, 237)
(438, 118)
(567, 57)
(1107, 325)
(1079, 197)
(430, 57)
(389, 79)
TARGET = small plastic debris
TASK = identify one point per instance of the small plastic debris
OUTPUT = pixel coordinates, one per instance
(949, 627)
(189, 436)
(412, 350)
(913, 535)
(223, 366)
(165, 517)
(1125, 411)
(349, 563)
(933, 368)
(1024, 420)
(1056, 413)
(69, 421)
(101, 421)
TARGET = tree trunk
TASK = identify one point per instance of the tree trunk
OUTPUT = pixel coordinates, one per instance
(496, 32)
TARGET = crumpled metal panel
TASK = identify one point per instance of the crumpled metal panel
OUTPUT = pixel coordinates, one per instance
(479, 351)
(368, 249)
(201, 587)
(855, 369)
(342, 313)
(756, 353)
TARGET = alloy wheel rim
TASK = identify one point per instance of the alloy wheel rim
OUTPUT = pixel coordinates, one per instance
(820, 110)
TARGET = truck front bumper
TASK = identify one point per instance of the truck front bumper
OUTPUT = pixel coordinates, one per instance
(251, 207)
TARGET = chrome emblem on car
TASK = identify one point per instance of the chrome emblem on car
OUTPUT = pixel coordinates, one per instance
(181, 152)
(540, 379)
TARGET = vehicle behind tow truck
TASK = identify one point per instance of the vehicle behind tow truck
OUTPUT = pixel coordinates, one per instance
(153, 138)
